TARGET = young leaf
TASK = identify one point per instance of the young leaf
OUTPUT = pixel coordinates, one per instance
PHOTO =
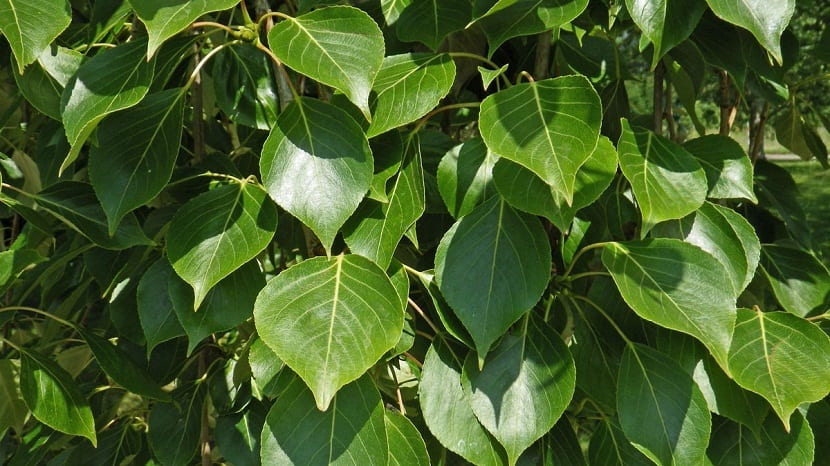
(341, 47)
(174, 427)
(136, 153)
(662, 411)
(429, 22)
(492, 266)
(155, 309)
(678, 286)
(330, 320)
(164, 18)
(529, 125)
(532, 374)
(54, 398)
(766, 21)
(781, 357)
(245, 88)
(465, 176)
(31, 25)
(667, 181)
(217, 232)
(406, 446)
(351, 432)
(112, 80)
(734, 444)
(313, 144)
(666, 23)
(728, 169)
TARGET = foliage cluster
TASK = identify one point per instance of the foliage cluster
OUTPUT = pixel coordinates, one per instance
(402, 232)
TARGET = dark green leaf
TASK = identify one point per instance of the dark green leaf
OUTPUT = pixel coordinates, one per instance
(514, 18)
(13, 410)
(610, 447)
(430, 21)
(734, 444)
(800, 282)
(42, 83)
(174, 427)
(245, 86)
(238, 435)
(778, 192)
(766, 21)
(465, 176)
(728, 169)
(793, 133)
(31, 25)
(14, 262)
(266, 367)
(406, 447)
(666, 23)
(155, 308)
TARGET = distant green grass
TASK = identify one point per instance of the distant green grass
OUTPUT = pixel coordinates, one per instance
(814, 192)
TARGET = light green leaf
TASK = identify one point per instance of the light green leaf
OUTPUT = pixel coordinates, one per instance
(155, 309)
(492, 266)
(781, 357)
(465, 177)
(406, 446)
(245, 86)
(136, 153)
(793, 133)
(550, 127)
(723, 233)
(13, 410)
(800, 282)
(448, 411)
(31, 25)
(532, 374)
(734, 444)
(728, 169)
(14, 262)
(42, 84)
(313, 144)
(430, 21)
(166, 18)
(678, 286)
(514, 18)
(174, 427)
(666, 23)
(114, 79)
(392, 9)
(74, 203)
(217, 232)
(330, 320)
(765, 20)
(667, 181)
(341, 47)
(54, 398)
(488, 75)
(376, 228)
(610, 447)
(407, 87)
(662, 411)
(351, 432)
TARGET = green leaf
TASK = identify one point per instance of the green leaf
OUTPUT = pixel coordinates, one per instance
(245, 86)
(666, 23)
(734, 444)
(42, 84)
(14, 262)
(728, 169)
(217, 232)
(351, 432)
(781, 357)
(778, 192)
(136, 153)
(112, 80)
(662, 411)
(31, 25)
(527, 124)
(532, 374)
(313, 144)
(685, 68)
(430, 21)
(610, 447)
(174, 427)
(448, 411)
(765, 20)
(406, 447)
(238, 435)
(445, 314)
(594, 56)
(793, 133)
(341, 47)
(407, 87)
(166, 18)
(678, 286)
(800, 282)
(465, 177)
(13, 410)
(330, 320)
(229, 303)
(53, 397)
(723, 233)
(266, 367)
(155, 308)
(392, 9)
(376, 228)
(667, 181)
(389, 148)
(514, 18)
(121, 368)
(74, 203)
(492, 266)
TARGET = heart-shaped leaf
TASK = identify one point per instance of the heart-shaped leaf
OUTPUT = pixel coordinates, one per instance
(217, 232)
(551, 127)
(329, 320)
(313, 144)
(341, 47)
(781, 357)
(492, 266)
(406, 446)
(155, 309)
(513, 18)
(430, 21)
(728, 169)
(31, 25)
(765, 20)
(666, 23)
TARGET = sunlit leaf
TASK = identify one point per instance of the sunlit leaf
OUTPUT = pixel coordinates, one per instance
(728, 168)
(800, 282)
(666, 23)
(430, 21)
(31, 25)
(513, 18)
(765, 20)
(406, 447)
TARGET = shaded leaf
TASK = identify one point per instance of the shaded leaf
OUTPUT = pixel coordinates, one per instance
(42, 83)
(31, 25)
(766, 21)
(800, 282)
(514, 18)
(429, 21)
(266, 367)
(465, 176)
(734, 444)
(406, 447)
(238, 435)
(155, 308)
(666, 23)
(610, 447)
(13, 410)
(245, 86)
(174, 427)
(778, 192)
(793, 133)
(728, 169)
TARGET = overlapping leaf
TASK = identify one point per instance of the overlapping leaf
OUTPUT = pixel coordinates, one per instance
(430, 21)
(800, 282)
(13, 410)
(609, 446)
(765, 20)
(31, 25)
(734, 444)
(796, 135)
(42, 83)
(155, 308)
(406, 446)
(513, 18)
(666, 23)
(174, 427)
(728, 169)
(465, 176)
(245, 86)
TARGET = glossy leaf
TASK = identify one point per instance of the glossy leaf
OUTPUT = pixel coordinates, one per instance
(800, 282)
(134, 160)
(341, 47)
(31, 25)
(662, 411)
(155, 308)
(329, 320)
(407, 87)
(667, 181)
(666, 23)
(43, 82)
(352, 431)
(174, 427)
(448, 412)
(678, 286)
(266, 367)
(532, 374)
(406, 447)
(514, 18)
(13, 410)
(728, 169)
(54, 398)
(781, 357)
(766, 21)
(166, 18)
(245, 86)
(551, 127)
(734, 444)
(376, 228)
(492, 266)
(217, 232)
(392, 9)
(465, 176)
(313, 144)
(429, 21)
(112, 80)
